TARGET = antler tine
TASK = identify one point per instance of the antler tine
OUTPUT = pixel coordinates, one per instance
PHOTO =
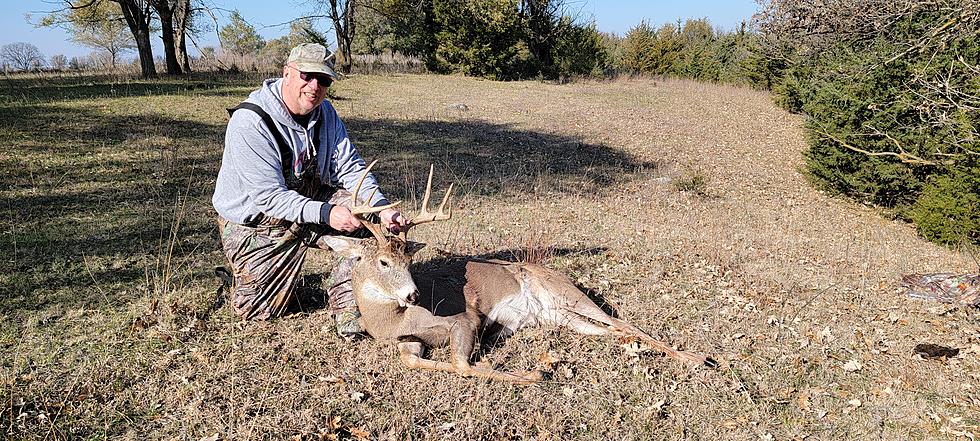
(425, 215)
(357, 209)
(361, 211)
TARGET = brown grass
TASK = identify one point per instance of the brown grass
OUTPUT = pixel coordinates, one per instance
(782, 284)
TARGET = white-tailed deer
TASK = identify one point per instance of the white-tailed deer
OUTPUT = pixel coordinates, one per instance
(458, 303)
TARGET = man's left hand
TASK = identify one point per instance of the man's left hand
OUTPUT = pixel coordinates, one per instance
(393, 220)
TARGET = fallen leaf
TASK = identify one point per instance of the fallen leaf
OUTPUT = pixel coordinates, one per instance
(214, 437)
(567, 391)
(359, 433)
(548, 359)
(826, 335)
(334, 423)
(852, 366)
(357, 396)
(803, 401)
(567, 372)
(331, 379)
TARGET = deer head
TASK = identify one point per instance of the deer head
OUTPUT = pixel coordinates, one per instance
(381, 269)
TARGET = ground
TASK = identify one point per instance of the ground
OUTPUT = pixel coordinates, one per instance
(682, 205)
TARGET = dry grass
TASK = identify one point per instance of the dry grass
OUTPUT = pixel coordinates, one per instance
(782, 284)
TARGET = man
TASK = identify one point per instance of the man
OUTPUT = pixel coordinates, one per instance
(284, 182)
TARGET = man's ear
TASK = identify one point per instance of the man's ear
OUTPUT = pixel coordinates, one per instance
(413, 247)
(345, 246)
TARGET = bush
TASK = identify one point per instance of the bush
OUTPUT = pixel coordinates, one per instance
(948, 209)
(580, 50)
(897, 127)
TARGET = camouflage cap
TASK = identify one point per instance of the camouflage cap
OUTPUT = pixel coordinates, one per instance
(312, 57)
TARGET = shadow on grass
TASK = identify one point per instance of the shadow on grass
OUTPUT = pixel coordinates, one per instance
(89, 200)
(48, 87)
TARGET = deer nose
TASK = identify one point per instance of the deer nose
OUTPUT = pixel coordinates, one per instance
(413, 297)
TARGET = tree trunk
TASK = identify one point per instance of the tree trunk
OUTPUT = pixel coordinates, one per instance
(166, 15)
(342, 15)
(138, 15)
(182, 16)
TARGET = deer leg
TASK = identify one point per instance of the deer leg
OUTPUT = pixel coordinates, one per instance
(623, 329)
(411, 356)
(580, 319)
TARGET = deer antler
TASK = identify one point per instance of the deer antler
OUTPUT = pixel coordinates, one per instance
(361, 211)
(425, 215)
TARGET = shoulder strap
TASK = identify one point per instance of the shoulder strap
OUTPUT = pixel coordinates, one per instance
(285, 152)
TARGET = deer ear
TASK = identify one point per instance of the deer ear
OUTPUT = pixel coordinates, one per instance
(413, 247)
(345, 246)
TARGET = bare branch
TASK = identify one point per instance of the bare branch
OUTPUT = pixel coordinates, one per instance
(902, 156)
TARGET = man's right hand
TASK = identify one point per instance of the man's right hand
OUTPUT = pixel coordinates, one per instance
(341, 219)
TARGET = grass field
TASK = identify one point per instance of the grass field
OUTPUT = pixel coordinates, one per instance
(682, 205)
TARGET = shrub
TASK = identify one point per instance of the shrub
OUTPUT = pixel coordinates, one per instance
(895, 124)
(948, 209)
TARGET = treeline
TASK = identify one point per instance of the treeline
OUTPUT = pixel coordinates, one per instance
(891, 90)
(526, 39)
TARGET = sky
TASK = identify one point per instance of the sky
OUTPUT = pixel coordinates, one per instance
(268, 16)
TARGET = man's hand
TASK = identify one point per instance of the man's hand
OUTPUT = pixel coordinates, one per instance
(341, 219)
(393, 220)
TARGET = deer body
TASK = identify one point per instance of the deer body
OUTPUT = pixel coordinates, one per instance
(460, 303)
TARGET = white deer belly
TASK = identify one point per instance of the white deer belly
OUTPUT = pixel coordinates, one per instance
(523, 309)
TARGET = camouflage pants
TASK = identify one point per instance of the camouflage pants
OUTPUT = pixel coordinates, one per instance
(266, 260)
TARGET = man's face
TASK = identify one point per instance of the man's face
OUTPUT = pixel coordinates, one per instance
(301, 96)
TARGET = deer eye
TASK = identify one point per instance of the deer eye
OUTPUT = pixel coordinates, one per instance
(384, 263)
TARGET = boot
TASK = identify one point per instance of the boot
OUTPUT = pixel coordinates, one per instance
(340, 298)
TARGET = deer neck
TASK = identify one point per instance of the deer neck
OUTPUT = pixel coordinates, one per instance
(380, 316)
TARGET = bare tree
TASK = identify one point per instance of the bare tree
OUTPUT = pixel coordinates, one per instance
(22, 56)
(59, 62)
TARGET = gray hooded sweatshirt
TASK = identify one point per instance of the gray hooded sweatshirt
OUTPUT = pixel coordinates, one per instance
(250, 180)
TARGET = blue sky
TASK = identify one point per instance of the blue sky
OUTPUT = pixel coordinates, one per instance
(610, 16)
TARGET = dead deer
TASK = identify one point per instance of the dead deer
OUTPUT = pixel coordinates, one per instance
(457, 303)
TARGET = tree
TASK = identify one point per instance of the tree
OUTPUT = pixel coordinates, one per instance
(300, 31)
(480, 38)
(59, 62)
(22, 56)
(404, 26)
(240, 37)
(100, 25)
(183, 25)
(893, 103)
(543, 28)
(139, 15)
(343, 15)
(96, 23)
(165, 12)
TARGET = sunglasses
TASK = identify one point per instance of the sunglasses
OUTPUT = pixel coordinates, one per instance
(322, 79)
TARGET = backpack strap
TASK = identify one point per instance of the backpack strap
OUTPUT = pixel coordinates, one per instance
(285, 152)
